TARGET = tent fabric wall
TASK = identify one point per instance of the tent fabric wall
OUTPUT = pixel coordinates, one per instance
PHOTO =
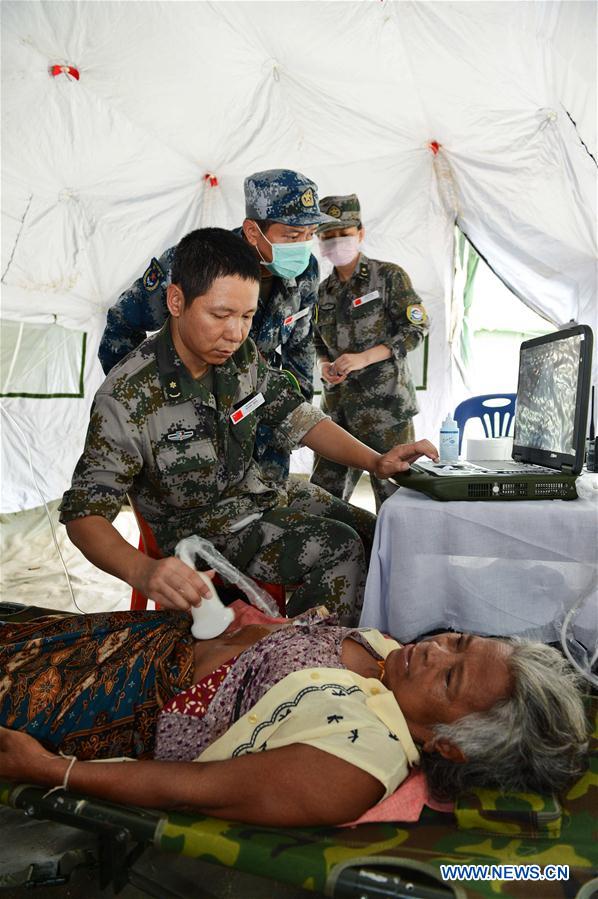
(101, 172)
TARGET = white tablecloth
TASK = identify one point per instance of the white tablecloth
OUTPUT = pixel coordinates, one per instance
(487, 567)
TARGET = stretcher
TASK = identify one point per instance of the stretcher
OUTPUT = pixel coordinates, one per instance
(362, 862)
(371, 860)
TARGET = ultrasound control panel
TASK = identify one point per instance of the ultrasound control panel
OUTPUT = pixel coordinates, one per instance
(470, 469)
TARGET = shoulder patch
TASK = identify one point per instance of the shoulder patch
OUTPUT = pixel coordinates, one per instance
(152, 276)
(416, 314)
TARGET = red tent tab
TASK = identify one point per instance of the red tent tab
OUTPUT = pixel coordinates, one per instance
(64, 70)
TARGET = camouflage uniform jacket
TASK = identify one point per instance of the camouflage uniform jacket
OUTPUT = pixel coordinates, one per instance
(377, 305)
(170, 442)
(142, 308)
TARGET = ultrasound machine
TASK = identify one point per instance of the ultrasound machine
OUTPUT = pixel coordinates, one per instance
(549, 436)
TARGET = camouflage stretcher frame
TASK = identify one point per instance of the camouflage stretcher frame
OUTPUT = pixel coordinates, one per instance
(364, 861)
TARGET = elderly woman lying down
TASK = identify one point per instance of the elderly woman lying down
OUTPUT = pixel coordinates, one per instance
(294, 723)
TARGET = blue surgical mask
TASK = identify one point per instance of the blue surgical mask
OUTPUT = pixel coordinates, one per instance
(288, 259)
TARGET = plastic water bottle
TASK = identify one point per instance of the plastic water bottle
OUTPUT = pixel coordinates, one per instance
(448, 445)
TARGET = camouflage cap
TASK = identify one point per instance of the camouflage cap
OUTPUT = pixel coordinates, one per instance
(281, 195)
(343, 212)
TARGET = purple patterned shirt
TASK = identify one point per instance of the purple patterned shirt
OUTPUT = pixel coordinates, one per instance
(309, 642)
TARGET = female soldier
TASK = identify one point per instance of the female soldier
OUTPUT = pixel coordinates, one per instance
(368, 318)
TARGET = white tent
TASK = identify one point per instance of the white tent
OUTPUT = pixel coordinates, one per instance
(127, 124)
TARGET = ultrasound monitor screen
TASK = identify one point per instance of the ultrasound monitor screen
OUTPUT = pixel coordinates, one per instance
(546, 395)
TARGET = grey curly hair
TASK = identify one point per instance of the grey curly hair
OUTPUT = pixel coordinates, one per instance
(535, 740)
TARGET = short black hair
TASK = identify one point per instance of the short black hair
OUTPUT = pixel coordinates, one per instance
(210, 253)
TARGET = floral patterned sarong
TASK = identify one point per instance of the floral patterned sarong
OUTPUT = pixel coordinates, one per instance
(92, 685)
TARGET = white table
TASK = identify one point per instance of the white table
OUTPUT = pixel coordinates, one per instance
(487, 567)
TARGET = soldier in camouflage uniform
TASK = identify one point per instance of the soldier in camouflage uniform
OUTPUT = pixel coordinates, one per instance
(368, 319)
(174, 425)
(282, 212)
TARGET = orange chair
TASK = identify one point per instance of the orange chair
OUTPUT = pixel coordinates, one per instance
(148, 545)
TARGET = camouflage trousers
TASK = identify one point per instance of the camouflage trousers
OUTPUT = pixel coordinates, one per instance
(318, 544)
(340, 480)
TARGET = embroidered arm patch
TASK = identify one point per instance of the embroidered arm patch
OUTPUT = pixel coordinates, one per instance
(416, 314)
(153, 276)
